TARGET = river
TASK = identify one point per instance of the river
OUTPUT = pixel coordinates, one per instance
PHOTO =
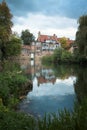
(55, 87)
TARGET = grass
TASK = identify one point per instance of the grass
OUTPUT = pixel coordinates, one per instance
(77, 120)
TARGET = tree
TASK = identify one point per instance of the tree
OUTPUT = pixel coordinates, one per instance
(63, 42)
(81, 36)
(5, 27)
(13, 46)
(57, 54)
(27, 37)
(66, 56)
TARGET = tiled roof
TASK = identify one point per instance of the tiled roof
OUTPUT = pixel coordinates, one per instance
(69, 42)
(43, 38)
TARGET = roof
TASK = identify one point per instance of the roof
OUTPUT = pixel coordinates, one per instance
(70, 41)
(43, 38)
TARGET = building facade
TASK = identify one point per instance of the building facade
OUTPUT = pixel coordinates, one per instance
(48, 43)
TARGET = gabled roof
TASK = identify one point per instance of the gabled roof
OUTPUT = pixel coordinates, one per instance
(43, 38)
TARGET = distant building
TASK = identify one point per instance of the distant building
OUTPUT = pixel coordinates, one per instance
(28, 50)
(47, 42)
(70, 42)
(25, 50)
(73, 48)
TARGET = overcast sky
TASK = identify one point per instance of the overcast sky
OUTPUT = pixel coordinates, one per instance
(48, 16)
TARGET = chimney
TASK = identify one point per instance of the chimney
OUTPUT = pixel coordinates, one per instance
(39, 33)
(54, 35)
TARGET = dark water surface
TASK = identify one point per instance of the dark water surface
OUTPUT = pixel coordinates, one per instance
(54, 88)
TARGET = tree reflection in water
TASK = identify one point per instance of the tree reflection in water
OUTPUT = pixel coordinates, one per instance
(81, 83)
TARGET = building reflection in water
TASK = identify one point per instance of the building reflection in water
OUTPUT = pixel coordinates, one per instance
(43, 75)
(52, 89)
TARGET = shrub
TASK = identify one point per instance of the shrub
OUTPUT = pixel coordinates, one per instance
(66, 56)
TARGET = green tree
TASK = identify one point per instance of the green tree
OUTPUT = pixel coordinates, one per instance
(81, 36)
(57, 54)
(13, 46)
(27, 37)
(63, 42)
(80, 85)
(66, 56)
(5, 27)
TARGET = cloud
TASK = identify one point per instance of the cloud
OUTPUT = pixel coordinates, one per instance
(61, 26)
(67, 8)
(62, 87)
(48, 16)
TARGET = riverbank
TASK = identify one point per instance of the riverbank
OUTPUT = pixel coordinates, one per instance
(15, 86)
(63, 121)
(64, 57)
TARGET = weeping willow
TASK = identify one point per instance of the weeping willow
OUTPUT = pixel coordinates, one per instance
(81, 36)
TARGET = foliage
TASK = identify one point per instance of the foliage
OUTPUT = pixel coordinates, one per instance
(80, 85)
(81, 36)
(11, 85)
(66, 56)
(47, 59)
(27, 37)
(5, 28)
(64, 120)
(57, 55)
(10, 120)
(13, 46)
(63, 42)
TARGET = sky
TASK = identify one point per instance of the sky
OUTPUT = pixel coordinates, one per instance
(47, 16)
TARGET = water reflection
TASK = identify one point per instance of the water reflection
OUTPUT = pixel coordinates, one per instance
(52, 89)
(81, 83)
(61, 87)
